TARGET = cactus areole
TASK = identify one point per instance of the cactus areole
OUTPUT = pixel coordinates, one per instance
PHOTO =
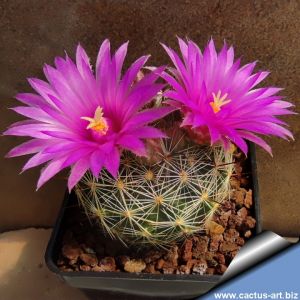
(101, 122)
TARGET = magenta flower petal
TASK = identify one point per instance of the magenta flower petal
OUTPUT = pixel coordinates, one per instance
(96, 162)
(80, 118)
(83, 63)
(33, 113)
(147, 116)
(37, 160)
(119, 59)
(140, 96)
(77, 171)
(130, 75)
(150, 78)
(112, 162)
(30, 99)
(32, 130)
(134, 144)
(257, 140)
(45, 90)
(49, 171)
(76, 154)
(216, 94)
(29, 147)
(147, 132)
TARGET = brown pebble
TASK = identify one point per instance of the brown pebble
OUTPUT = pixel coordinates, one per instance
(250, 222)
(201, 246)
(123, 259)
(108, 264)
(160, 263)
(183, 269)
(234, 183)
(248, 201)
(215, 228)
(199, 267)
(168, 270)
(76, 268)
(235, 221)
(232, 254)
(187, 250)
(231, 235)
(89, 259)
(239, 196)
(242, 212)
(97, 269)
(224, 218)
(220, 258)
(221, 269)
(240, 241)
(189, 265)
(71, 251)
(211, 262)
(228, 205)
(210, 259)
(247, 234)
(172, 256)
(134, 266)
(186, 269)
(85, 268)
(208, 255)
(150, 268)
(210, 271)
(238, 169)
(168, 265)
(244, 182)
(72, 262)
(152, 256)
(228, 246)
(215, 242)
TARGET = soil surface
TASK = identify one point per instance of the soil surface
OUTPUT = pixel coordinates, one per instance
(85, 248)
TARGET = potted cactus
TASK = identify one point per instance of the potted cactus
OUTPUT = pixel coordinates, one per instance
(152, 154)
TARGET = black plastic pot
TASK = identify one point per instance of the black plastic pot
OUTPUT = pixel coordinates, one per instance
(144, 285)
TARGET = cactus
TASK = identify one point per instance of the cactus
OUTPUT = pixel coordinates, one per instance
(160, 202)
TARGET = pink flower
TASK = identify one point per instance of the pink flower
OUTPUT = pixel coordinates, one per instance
(216, 95)
(83, 120)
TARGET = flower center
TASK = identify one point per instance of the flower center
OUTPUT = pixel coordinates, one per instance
(219, 101)
(98, 123)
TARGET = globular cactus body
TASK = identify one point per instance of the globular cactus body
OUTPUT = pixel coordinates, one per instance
(162, 202)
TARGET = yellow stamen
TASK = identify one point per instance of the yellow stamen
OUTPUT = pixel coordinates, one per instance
(98, 122)
(219, 101)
